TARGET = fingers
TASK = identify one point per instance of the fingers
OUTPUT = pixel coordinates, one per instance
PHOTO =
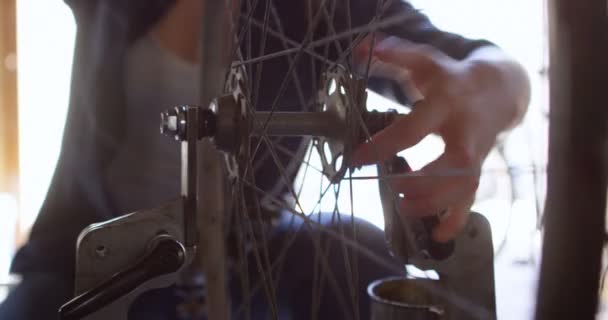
(450, 181)
(365, 48)
(422, 61)
(410, 65)
(401, 134)
(442, 184)
(454, 222)
(442, 174)
(363, 54)
(443, 196)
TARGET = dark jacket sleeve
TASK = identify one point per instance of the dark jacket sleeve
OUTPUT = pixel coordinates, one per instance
(415, 26)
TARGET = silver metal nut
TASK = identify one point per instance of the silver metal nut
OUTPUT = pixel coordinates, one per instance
(168, 123)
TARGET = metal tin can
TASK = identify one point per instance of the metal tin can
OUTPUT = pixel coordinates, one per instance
(403, 298)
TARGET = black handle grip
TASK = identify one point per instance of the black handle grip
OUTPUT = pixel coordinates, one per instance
(435, 250)
(166, 256)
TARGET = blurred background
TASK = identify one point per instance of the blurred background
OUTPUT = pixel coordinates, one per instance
(36, 44)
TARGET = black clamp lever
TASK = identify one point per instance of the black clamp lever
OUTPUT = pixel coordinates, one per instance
(165, 256)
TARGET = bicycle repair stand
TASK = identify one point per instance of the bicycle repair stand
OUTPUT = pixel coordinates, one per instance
(119, 259)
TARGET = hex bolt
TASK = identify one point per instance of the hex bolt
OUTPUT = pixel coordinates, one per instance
(168, 123)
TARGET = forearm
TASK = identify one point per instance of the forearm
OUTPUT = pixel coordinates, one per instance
(505, 78)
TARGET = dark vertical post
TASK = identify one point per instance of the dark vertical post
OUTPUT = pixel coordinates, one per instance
(576, 194)
(216, 38)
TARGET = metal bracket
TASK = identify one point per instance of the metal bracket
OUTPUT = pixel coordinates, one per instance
(468, 272)
(108, 248)
(465, 265)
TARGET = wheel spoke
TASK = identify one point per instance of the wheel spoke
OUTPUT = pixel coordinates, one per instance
(270, 264)
(360, 32)
(292, 67)
(309, 224)
(259, 66)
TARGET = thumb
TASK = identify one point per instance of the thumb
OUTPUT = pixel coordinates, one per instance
(400, 135)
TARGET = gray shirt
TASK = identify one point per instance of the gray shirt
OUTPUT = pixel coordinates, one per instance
(146, 172)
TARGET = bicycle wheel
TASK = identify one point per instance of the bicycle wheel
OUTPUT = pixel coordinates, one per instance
(279, 258)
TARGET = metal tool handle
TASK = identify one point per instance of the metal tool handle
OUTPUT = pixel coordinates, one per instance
(166, 256)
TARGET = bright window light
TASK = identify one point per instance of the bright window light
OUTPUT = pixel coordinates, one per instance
(45, 44)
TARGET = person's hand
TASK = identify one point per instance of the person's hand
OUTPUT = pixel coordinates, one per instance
(466, 102)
